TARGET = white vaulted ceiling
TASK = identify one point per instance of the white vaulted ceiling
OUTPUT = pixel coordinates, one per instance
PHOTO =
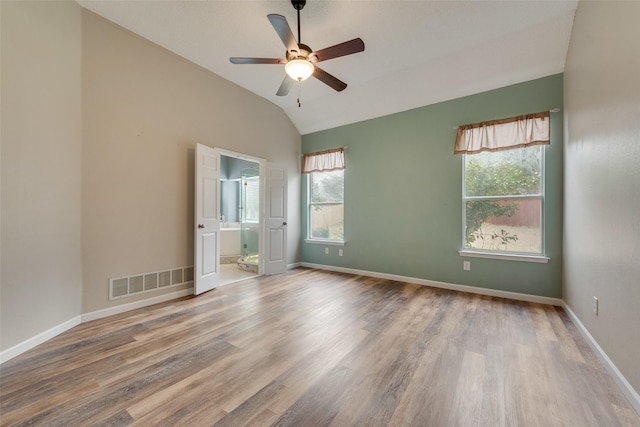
(416, 52)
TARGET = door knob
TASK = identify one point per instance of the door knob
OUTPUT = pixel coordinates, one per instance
(200, 225)
(284, 223)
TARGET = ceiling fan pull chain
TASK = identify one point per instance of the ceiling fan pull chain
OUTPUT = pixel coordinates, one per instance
(298, 100)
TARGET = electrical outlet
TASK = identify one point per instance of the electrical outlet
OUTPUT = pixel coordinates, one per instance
(466, 265)
(595, 306)
(340, 252)
(326, 251)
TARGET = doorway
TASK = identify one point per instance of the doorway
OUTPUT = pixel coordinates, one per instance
(263, 217)
(240, 218)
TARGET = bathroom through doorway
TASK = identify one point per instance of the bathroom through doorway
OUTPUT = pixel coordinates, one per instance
(240, 218)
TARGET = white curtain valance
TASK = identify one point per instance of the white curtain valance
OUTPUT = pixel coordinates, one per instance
(327, 160)
(504, 134)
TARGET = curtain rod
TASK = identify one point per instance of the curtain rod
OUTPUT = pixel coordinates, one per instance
(553, 110)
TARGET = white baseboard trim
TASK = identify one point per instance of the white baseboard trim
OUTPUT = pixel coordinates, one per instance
(26, 345)
(99, 314)
(442, 285)
(294, 265)
(632, 396)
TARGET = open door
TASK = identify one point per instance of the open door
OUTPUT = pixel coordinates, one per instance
(207, 220)
(275, 249)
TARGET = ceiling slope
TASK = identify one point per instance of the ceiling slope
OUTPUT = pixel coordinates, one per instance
(416, 52)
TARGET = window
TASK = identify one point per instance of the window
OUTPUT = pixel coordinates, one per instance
(325, 195)
(251, 199)
(503, 185)
(326, 205)
(502, 200)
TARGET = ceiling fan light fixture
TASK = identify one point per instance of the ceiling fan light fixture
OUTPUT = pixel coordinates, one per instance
(300, 59)
(299, 69)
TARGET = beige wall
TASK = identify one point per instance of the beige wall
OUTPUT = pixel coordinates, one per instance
(144, 108)
(98, 135)
(602, 178)
(41, 284)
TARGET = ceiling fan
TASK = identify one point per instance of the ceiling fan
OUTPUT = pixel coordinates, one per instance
(300, 62)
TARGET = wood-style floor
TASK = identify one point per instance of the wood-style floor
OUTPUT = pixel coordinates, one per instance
(313, 348)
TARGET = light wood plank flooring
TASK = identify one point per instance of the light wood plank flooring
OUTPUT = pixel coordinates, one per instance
(314, 348)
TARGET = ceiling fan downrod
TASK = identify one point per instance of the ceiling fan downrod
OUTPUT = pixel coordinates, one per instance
(298, 5)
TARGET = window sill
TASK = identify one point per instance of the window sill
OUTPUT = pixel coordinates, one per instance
(507, 257)
(325, 242)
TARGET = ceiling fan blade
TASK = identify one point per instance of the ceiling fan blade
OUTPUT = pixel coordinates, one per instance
(329, 80)
(235, 60)
(336, 51)
(285, 87)
(281, 26)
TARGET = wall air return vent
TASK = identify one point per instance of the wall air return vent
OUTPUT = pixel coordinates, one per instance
(125, 286)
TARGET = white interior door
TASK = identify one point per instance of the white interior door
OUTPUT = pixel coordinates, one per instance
(275, 220)
(207, 220)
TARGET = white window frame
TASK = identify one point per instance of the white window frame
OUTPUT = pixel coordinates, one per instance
(506, 255)
(310, 206)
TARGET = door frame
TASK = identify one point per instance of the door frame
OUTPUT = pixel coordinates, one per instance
(261, 179)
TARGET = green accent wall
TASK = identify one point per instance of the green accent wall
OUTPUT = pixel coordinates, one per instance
(403, 205)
